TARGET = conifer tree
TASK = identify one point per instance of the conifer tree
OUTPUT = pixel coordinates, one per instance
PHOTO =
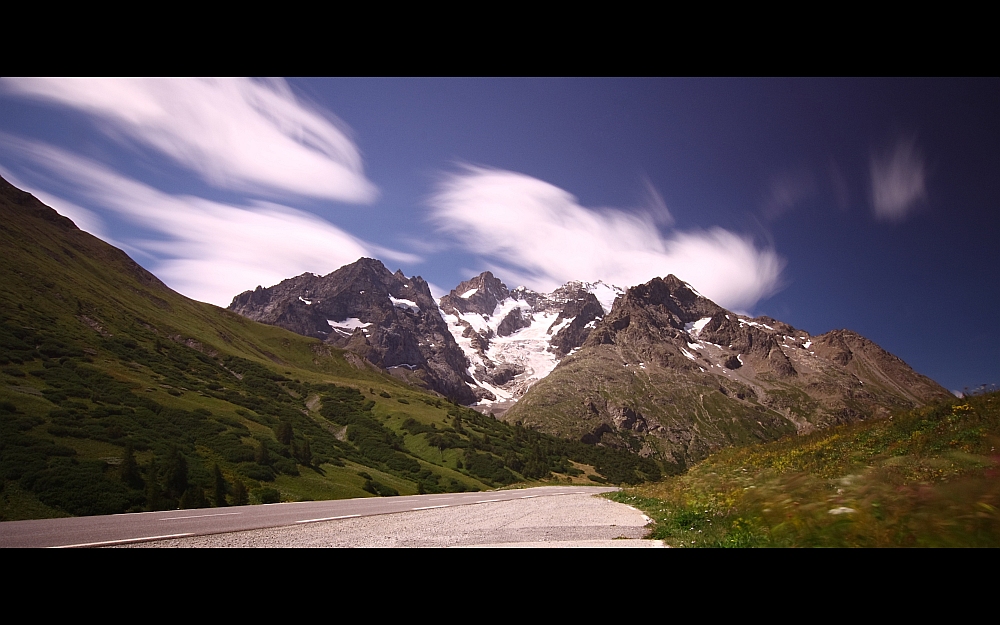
(220, 487)
(193, 497)
(130, 470)
(305, 453)
(154, 493)
(262, 456)
(240, 495)
(283, 432)
(175, 474)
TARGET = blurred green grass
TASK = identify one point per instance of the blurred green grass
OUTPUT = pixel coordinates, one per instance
(927, 477)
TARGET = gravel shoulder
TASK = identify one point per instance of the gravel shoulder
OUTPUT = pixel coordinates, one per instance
(554, 521)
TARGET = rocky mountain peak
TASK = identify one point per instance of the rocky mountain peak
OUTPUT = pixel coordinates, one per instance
(479, 295)
(392, 321)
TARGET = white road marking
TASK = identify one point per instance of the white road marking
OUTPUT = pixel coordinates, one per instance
(122, 541)
(197, 516)
(431, 507)
(330, 518)
(489, 500)
(529, 497)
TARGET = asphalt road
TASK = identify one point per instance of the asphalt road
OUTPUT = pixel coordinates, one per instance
(122, 529)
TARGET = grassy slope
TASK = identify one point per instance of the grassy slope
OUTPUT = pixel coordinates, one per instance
(96, 353)
(924, 477)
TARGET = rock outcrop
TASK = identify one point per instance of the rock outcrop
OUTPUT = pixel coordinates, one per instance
(391, 320)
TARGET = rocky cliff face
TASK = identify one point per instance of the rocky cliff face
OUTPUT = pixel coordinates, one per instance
(390, 320)
(671, 374)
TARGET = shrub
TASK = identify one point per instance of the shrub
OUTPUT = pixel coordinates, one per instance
(268, 495)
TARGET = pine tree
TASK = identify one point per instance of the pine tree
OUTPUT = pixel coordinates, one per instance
(262, 456)
(302, 453)
(193, 497)
(283, 432)
(240, 495)
(130, 470)
(306, 456)
(175, 474)
(154, 493)
(220, 487)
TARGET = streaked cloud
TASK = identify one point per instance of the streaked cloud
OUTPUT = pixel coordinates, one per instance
(235, 133)
(538, 235)
(655, 205)
(207, 250)
(898, 181)
(786, 191)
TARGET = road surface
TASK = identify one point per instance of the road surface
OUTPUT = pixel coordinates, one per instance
(181, 527)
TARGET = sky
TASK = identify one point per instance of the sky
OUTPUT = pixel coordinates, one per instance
(868, 204)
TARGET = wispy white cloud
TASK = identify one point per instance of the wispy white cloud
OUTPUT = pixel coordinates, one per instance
(234, 133)
(538, 235)
(786, 191)
(207, 250)
(897, 181)
(655, 205)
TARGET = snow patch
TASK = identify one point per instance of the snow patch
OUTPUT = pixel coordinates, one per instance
(687, 353)
(554, 330)
(348, 324)
(305, 301)
(694, 328)
(405, 304)
(744, 322)
(604, 293)
(468, 293)
(807, 344)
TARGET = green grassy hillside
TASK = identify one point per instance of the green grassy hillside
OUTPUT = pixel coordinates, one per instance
(922, 478)
(118, 394)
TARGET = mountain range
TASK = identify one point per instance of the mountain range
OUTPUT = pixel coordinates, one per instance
(656, 368)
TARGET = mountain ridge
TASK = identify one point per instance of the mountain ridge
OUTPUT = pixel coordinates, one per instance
(657, 368)
(670, 374)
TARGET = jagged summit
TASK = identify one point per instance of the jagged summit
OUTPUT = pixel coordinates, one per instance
(479, 295)
(390, 320)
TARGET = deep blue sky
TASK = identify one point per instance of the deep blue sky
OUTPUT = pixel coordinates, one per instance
(868, 204)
